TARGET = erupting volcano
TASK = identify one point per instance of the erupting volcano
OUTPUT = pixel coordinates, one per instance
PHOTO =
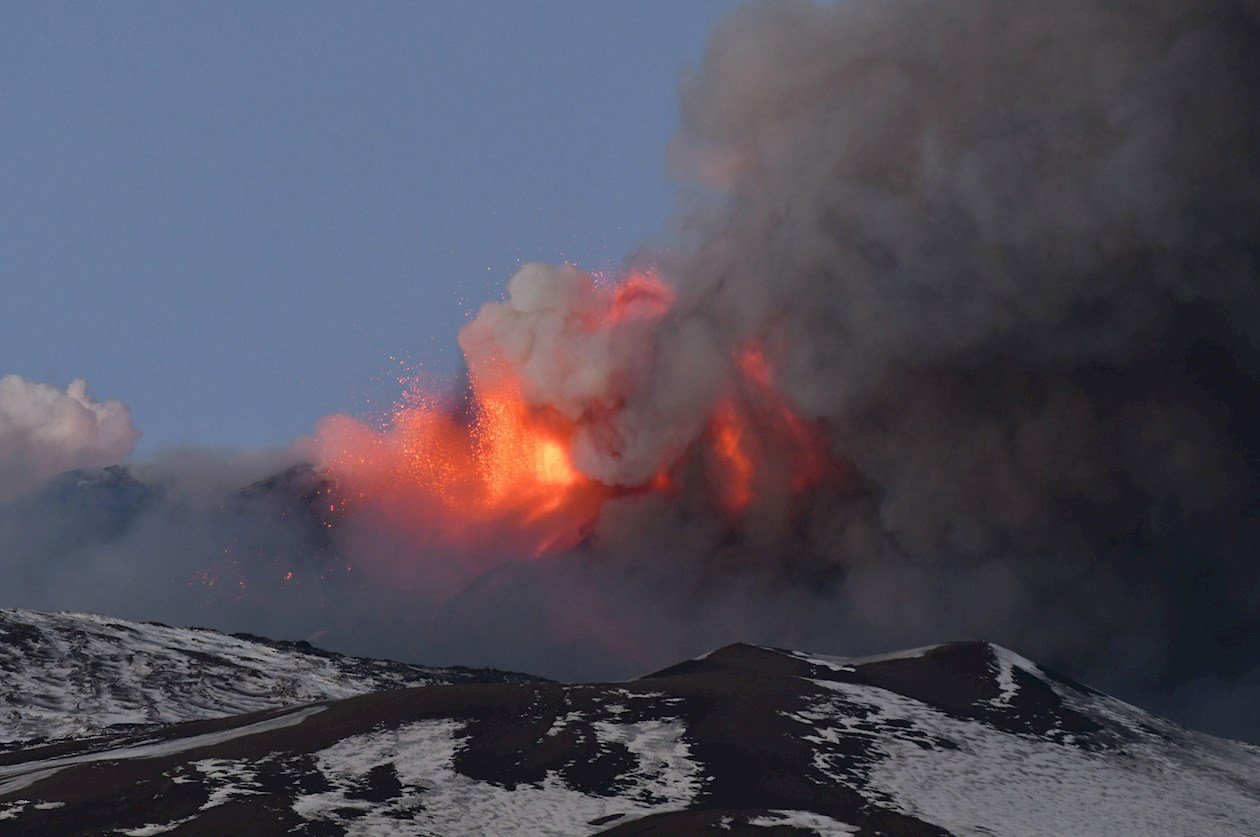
(530, 452)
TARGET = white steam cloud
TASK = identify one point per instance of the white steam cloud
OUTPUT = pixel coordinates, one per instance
(585, 351)
(44, 431)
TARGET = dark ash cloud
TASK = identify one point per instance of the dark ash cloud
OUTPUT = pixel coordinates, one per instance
(1010, 254)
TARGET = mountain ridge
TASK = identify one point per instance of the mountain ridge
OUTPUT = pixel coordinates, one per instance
(962, 738)
(67, 675)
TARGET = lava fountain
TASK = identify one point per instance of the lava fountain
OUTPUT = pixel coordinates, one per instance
(550, 371)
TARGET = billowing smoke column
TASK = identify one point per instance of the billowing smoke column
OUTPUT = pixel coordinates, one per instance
(1002, 259)
(1010, 255)
(44, 431)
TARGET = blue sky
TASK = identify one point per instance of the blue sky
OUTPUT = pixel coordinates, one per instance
(232, 216)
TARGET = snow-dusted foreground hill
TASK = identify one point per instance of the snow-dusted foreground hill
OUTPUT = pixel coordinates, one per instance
(76, 674)
(956, 739)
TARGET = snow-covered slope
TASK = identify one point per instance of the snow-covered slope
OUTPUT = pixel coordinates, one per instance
(979, 740)
(77, 674)
(956, 739)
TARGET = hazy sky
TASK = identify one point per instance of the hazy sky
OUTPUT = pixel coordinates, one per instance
(232, 216)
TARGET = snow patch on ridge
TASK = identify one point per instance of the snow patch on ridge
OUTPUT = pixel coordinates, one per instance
(16, 777)
(666, 771)
(151, 829)
(807, 820)
(848, 664)
(1007, 662)
(234, 778)
(435, 798)
(971, 778)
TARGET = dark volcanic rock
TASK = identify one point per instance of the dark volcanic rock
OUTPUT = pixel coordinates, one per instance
(966, 738)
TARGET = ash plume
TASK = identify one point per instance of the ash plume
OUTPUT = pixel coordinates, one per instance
(1009, 254)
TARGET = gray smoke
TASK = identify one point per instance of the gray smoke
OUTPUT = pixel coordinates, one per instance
(1009, 253)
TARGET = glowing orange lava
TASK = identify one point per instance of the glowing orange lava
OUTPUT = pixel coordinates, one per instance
(641, 294)
(752, 362)
(496, 474)
(763, 448)
(731, 443)
(502, 477)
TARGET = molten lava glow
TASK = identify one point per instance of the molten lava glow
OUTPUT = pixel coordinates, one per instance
(752, 362)
(641, 294)
(762, 447)
(516, 453)
(502, 478)
(496, 475)
(731, 444)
